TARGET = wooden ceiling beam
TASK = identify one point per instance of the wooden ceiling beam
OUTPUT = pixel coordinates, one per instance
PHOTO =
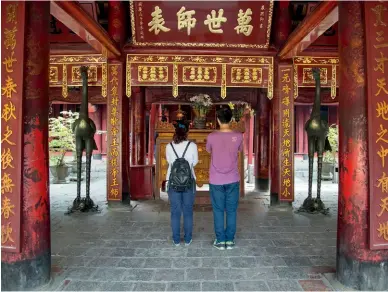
(80, 22)
(312, 27)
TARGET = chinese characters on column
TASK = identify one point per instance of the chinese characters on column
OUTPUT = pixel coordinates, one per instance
(10, 132)
(377, 54)
(286, 135)
(114, 120)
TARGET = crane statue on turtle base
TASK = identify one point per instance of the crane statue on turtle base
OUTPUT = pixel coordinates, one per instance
(317, 132)
(84, 130)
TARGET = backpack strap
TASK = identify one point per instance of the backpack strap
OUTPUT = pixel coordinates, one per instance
(187, 146)
(173, 149)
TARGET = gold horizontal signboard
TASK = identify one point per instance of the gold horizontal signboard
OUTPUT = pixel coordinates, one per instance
(199, 70)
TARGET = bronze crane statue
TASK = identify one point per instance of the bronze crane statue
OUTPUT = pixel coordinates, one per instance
(84, 130)
(317, 131)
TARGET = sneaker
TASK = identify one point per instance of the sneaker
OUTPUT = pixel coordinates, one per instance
(176, 244)
(188, 243)
(230, 244)
(219, 245)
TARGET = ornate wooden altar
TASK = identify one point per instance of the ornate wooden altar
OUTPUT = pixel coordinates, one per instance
(166, 132)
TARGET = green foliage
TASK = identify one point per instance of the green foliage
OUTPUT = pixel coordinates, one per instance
(61, 136)
(331, 157)
(240, 108)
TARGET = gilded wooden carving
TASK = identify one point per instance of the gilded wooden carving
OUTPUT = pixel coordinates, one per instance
(152, 73)
(76, 74)
(182, 70)
(247, 75)
(303, 73)
(199, 74)
(97, 75)
(308, 77)
(171, 24)
(53, 74)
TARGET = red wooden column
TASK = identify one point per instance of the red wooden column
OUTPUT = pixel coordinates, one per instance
(262, 143)
(117, 30)
(25, 208)
(250, 140)
(117, 21)
(125, 132)
(247, 119)
(151, 137)
(138, 151)
(282, 22)
(362, 187)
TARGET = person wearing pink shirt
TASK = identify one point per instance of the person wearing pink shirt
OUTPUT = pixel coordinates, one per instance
(224, 146)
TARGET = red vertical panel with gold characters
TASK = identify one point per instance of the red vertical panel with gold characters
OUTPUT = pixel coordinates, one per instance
(114, 153)
(376, 22)
(286, 133)
(12, 57)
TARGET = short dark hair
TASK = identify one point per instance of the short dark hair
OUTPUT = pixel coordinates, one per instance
(225, 115)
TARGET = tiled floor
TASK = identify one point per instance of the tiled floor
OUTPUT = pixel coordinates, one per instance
(120, 249)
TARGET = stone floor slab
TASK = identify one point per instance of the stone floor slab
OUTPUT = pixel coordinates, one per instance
(218, 286)
(184, 286)
(150, 287)
(200, 274)
(169, 275)
(284, 285)
(121, 286)
(251, 286)
(182, 263)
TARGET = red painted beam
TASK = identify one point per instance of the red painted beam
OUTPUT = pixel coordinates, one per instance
(80, 22)
(312, 27)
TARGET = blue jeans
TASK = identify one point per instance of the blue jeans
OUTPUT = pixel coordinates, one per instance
(225, 198)
(181, 201)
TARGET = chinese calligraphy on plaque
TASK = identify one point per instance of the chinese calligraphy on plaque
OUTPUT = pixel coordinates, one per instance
(11, 100)
(376, 14)
(114, 121)
(286, 113)
(174, 23)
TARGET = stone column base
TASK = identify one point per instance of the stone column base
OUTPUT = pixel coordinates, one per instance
(362, 275)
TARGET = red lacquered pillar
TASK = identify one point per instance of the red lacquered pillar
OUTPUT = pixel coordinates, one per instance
(138, 151)
(262, 143)
(151, 136)
(246, 133)
(250, 145)
(282, 23)
(357, 266)
(117, 21)
(117, 30)
(26, 249)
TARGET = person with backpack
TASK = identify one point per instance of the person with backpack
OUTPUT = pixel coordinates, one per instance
(224, 178)
(182, 156)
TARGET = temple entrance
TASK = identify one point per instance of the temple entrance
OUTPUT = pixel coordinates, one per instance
(159, 59)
